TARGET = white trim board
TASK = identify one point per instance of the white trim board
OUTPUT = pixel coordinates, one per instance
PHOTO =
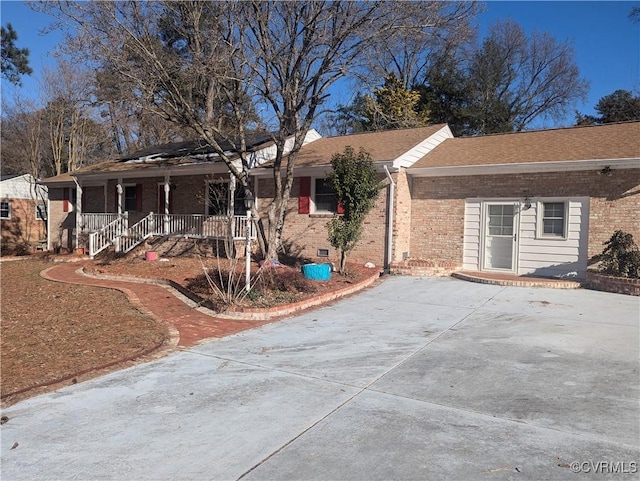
(525, 167)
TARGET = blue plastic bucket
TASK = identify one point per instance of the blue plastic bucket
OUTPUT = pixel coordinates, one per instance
(317, 272)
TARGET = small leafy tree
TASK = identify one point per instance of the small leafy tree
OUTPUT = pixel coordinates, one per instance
(621, 256)
(355, 182)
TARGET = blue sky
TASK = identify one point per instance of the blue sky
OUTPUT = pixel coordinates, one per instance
(606, 42)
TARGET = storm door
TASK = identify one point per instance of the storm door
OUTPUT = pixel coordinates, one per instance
(500, 236)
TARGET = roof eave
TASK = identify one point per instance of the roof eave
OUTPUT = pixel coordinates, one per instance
(525, 167)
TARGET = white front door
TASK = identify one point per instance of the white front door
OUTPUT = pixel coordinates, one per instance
(501, 223)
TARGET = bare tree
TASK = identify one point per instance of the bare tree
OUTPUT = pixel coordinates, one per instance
(23, 139)
(73, 134)
(222, 69)
(515, 79)
(429, 27)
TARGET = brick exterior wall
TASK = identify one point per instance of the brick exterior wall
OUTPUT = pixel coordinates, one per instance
(428, 212)
(62, 223)
(437, 223)
(304, 234)
(93, 199)
(22, 227)
(402, 216)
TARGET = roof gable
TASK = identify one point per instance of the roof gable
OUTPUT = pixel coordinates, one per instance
(384, 146)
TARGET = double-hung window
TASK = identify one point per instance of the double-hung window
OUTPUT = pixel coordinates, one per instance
(5, 210)
(325, 197)
(41, 211)
(553, 219)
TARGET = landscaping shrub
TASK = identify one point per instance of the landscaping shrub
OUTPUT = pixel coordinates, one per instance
(621, 256)
(225, 286)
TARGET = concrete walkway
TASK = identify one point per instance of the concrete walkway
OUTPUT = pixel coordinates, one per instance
(430, 379)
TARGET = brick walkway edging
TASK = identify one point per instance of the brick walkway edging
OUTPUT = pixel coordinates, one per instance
(247, 314)
(619, 285)
(524, 282)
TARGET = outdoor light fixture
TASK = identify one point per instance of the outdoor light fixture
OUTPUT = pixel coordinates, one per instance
(606, 171)
(527, 203)
(249, 201)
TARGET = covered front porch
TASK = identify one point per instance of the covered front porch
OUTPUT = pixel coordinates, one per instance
(97, 231)
(226, 217)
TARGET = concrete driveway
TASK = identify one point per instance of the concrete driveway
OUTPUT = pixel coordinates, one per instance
(423, 379)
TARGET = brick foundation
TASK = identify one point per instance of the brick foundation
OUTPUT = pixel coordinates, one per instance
(416, 267)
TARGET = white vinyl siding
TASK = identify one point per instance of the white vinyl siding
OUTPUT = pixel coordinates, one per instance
(537, 255)
(553, 256)
(472, 239)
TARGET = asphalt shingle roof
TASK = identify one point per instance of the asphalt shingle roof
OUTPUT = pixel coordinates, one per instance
(613, 141)
(382, 146)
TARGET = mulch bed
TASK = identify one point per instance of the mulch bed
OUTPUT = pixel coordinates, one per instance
(275, 285)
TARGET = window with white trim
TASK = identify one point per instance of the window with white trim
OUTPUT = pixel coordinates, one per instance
(5, 210)
(41, 211)
(553, 221)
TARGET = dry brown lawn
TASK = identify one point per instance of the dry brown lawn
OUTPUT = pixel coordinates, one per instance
(53, 332)
(56, 334)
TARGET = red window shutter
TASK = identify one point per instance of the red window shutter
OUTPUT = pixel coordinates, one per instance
(340, 208)
(304, 198)
(65, 199)
(139, 197)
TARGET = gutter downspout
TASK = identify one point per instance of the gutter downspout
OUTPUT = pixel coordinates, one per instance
(390, 206)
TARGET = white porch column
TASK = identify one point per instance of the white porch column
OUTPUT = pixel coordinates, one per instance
(119, 194)
(167, 190)
(78, 210)
(231, 204)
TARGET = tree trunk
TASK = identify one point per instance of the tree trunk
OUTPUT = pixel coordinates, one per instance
(343, 261)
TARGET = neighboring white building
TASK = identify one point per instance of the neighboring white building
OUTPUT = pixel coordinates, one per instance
(23, 211)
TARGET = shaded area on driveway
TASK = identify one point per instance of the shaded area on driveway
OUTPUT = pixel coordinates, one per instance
(429, 378)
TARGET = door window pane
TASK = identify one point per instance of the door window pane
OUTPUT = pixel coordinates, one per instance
(501, 220)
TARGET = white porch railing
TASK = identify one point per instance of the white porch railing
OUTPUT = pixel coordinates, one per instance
(107, 235)
(139, 232)
(94, 221)
(126, 238)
